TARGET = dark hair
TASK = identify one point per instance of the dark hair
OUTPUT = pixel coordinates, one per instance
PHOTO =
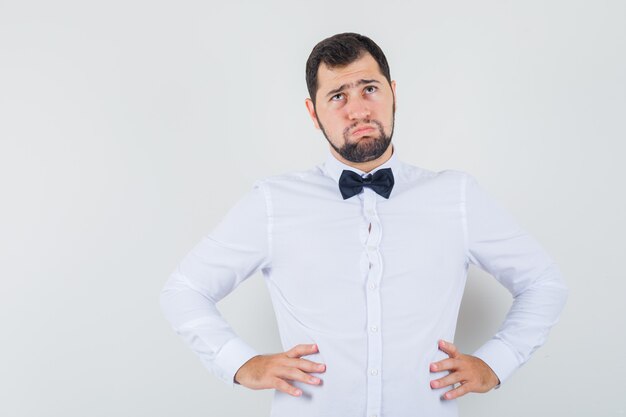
(340, 50)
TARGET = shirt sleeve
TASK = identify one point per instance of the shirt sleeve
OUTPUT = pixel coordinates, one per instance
(498, 245)
(233, 251)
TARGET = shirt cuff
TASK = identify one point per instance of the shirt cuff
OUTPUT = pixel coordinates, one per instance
(231, 357)
(500, 358)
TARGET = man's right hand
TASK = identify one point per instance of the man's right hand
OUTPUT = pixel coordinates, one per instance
(272, 371)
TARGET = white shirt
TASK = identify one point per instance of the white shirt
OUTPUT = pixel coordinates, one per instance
(374, 301)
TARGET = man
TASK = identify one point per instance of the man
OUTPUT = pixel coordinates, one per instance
(365, 258)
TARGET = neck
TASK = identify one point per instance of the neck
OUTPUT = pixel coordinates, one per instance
(369, 165)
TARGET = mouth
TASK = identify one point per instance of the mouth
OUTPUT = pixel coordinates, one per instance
(362, 130)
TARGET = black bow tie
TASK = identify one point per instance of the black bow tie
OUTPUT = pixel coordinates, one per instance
(351, 183)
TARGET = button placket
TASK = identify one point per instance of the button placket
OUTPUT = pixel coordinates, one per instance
(373, 303)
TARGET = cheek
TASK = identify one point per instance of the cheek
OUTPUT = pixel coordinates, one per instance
(332, 124)
(388, 117)
(383, 108)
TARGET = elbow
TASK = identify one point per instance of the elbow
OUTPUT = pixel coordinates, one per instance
(559, 288)
(559, 283)
(550, 288)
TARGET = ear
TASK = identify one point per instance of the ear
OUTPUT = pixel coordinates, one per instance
(393, 88)
(311, 109)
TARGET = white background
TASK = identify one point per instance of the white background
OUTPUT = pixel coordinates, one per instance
(129, 128)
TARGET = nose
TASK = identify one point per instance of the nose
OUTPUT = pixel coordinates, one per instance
(358, 109)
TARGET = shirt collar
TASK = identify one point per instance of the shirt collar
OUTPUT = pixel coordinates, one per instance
(334, 167)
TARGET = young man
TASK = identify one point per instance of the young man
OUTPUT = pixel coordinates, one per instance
(365, 258)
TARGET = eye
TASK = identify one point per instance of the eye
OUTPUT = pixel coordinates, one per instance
(371, 86)
(336, 95)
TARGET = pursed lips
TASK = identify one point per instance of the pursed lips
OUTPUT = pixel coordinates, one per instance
(363, 129)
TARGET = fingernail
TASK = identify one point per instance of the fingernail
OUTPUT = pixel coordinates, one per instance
(313, 379)
(320, 366)
(433, 366)
(314, 346)
(298, 392)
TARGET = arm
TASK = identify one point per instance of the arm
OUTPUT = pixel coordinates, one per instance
(236, 249)
(497, 244)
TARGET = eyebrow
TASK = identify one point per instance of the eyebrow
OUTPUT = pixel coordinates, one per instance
(350, 85)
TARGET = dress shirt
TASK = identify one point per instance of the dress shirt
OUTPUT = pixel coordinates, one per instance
(374, 282)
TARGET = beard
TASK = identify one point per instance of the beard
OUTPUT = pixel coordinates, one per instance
(364, 148)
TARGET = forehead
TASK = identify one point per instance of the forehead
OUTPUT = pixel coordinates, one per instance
(330, 78)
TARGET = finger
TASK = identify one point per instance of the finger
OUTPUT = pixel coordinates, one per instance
(457, 392)
(307, 365)
(295, 374)
(282, 385)
(301, 350)
(445, 365)
(449, 348)
(447, 380)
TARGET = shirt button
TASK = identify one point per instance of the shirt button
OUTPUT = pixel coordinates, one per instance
(372, 285)
(371, 247)
(374, 372)
(369, 212)
(374, 328)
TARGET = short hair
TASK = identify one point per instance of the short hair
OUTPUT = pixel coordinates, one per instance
(340, 50)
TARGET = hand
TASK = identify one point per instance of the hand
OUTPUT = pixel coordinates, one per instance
(472, 372)
(272, 371)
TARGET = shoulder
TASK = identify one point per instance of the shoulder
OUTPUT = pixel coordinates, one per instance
(414, 173)
(285, 179)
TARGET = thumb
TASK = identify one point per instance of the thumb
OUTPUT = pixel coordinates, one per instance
(449, 348)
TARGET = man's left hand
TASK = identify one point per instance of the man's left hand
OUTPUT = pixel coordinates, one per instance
(471, 372)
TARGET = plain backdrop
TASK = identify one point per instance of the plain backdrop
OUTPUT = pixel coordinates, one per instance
(129, 128)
